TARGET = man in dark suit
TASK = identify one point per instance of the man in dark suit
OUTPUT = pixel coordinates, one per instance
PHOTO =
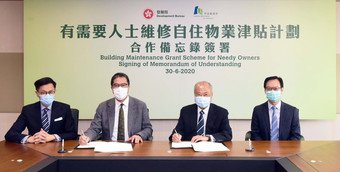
(46, 120)
(274, 119)
(203, 121)
(122, 118)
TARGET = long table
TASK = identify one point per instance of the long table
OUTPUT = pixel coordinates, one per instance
(158, 156)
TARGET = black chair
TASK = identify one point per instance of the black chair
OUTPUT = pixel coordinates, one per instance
(75, 115)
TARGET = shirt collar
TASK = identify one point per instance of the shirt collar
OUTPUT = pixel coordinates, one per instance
(205, 110)
(278, 105)
(43, 107)
(125, 102)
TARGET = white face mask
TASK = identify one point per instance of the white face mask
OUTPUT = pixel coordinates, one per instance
(120, 93)
(47, 99)
(202, 102)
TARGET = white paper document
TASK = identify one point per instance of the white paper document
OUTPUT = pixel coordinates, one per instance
(185, 144)
(209, 147)
(108, 146)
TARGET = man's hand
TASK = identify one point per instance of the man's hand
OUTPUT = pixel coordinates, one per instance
(199, 138)
(135, 139)
(45, 137)
(176, 137)
(41, 137)
(83, 140)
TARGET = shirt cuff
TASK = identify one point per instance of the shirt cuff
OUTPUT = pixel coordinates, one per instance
(212, 138)
(57, 138)
(24, 140)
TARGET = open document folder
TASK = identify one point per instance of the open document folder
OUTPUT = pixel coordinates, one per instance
(200, 146)
(100, 146)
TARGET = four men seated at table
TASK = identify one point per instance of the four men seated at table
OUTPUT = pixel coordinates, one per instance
(125, 118)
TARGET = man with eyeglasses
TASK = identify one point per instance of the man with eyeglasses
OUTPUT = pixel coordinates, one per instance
(122, 118)
(274, 119)
(47, 120)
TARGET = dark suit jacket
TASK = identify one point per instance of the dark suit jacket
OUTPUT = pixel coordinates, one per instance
(289, 127)
(30, 117)
(217, 123)
(138, 120)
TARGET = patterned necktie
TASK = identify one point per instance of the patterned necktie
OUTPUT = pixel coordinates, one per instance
(44, 119)
(274, 133)
(200, 124)
(121, 123)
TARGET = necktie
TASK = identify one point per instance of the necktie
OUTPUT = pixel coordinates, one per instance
(200, 124)
(44, 119)
(274, 133)
(121, 123)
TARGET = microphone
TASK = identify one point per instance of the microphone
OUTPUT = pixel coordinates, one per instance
(250, 146)
(62, 150)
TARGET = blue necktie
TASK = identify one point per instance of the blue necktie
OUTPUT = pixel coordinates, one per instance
(44, 119)
(200, 124)
(274, 133)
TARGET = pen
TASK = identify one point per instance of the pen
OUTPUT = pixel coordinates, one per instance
(82, 132)
(175, 131)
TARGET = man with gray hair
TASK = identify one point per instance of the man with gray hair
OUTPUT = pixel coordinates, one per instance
(202, 121)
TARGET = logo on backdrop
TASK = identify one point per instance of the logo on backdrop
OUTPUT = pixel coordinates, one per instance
(148, 13)
(199, 12)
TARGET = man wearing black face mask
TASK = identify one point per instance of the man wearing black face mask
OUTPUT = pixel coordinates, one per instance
(46, 120)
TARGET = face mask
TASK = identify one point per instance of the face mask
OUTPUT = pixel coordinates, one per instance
(273, 96)
(120, 93)
(202, 102)
(47, 99)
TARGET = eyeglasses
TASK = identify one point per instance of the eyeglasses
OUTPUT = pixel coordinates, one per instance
(45, 93)
(273, 88)
(120, 85)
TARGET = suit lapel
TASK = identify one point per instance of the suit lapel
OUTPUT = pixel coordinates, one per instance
(193, 117)
(37, 114)
(54, 112)
(282, 118)
(210, 119)
(131, 112)
(266, 118)
(111, 114)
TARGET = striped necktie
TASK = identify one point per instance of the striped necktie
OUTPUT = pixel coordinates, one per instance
(274, 133)
(200, 124)
(44, 119)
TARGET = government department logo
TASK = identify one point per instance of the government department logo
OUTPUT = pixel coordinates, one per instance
(148, 13)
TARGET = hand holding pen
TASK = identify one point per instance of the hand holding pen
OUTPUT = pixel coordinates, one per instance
(83, 139)
(176, 137)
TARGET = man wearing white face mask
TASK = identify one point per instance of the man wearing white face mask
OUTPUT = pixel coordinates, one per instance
(274, 119)
(202, 121)
(46, 120)
(122, 118)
